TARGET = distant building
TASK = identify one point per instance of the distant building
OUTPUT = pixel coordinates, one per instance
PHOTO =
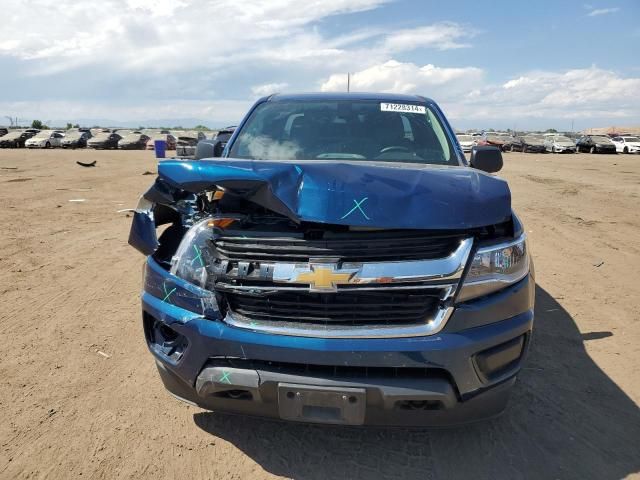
(612, 130)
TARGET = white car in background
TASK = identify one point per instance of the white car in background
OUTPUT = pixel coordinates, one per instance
(559, 144)
(626, 144)
(467, 142)
(45, 139)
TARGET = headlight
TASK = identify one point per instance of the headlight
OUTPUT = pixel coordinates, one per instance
(496, 267)
(193, 257)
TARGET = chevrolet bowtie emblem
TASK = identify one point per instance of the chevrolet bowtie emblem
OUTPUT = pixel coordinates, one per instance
(324, 277)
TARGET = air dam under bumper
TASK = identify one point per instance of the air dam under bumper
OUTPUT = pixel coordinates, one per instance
(420, 381)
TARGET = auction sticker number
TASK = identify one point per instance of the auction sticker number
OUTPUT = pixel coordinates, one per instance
(402, 108)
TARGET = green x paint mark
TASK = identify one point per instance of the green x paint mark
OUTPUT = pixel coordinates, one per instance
(198, 256)
(167, 294)
(225, 377)
(357, 207)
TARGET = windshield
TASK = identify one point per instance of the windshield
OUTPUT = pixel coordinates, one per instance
(11, 136)
(101, 136)
(601, 139)
(465, 138)
(497, 136)
(132, 137)
(532, 140)
(43, 134)
(631, 139)
(563, 139)
(344, 129)
(73, 135)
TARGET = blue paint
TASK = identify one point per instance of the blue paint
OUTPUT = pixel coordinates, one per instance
(412, 196)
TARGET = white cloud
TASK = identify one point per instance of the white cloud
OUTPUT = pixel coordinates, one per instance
(578, 93)
(209, 59)
(465, 95)
(602, 11)
(268, 88)
(160, 34)
(443, 36)
(397, 77)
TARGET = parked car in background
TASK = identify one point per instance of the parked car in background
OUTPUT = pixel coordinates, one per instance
(627, 144)
(3, 131)
(133, 141)
(33, 131)
(187, 142)
(496, 139)
(527, 143)
(595, 144)
(45, 139)
(216, 144)
(75, 139)
(104, 140)
(559, 144)
(167, 137)
(466, 142)
(15, 139)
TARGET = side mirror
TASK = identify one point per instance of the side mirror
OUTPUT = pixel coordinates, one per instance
(486, 158)
(209, 149)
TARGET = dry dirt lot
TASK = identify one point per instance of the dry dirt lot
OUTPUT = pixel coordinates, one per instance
(69, 289)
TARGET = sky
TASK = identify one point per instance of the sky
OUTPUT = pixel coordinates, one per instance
(498, 64)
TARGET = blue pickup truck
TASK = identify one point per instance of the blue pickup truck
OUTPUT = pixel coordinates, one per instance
(340, 262)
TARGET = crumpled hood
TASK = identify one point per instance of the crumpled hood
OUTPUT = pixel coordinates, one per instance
(366, 194)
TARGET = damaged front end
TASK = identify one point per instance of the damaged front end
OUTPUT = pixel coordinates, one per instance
(410, 282)
(333, 251)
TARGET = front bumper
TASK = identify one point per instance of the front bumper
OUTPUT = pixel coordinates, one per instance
(435, 380)
(563, 149)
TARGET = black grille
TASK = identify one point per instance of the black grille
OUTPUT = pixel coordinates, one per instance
(349, 247)
(351, 308)
(329, 371)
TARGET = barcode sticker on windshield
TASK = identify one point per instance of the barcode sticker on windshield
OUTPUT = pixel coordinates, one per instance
(402, 108)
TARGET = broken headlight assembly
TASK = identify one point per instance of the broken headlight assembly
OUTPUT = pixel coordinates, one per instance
(496, 267)
(192, 258)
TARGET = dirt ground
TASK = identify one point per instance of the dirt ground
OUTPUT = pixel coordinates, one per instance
(69, 291)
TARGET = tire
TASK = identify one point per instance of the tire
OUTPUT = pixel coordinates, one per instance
(593, 150)
(511, 149)
(625, 150)
(47, 145)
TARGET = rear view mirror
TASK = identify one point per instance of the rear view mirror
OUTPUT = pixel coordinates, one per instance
(486, 158)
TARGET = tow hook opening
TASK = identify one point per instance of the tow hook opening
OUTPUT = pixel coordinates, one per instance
(164, 340)
(500, 360)
(419, 405)
(235, 394)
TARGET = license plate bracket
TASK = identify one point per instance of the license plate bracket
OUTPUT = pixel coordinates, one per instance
(316, 404)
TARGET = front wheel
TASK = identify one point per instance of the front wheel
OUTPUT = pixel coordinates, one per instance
(48, 145)
(625, 150)
(592, 150)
